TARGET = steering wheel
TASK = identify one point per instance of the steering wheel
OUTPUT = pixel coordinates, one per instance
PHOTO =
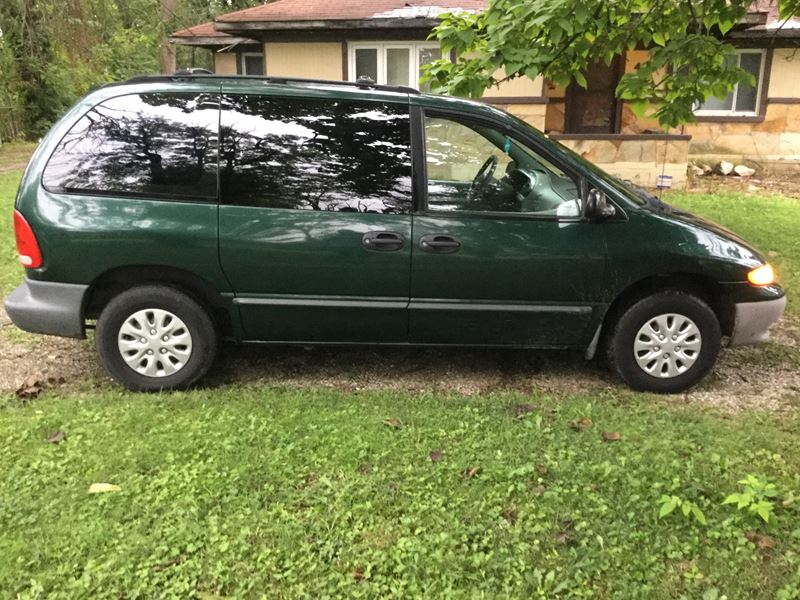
(483, 176)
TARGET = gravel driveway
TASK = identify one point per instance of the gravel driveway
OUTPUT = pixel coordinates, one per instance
(765, 377)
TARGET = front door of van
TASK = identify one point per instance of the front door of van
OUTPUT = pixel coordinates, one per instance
(314, 219)
(501, 255)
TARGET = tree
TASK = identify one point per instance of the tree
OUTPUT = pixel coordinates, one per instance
(561, 39)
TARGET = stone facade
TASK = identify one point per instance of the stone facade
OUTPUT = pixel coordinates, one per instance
(640, 160)
(773, 143)
(533, 114)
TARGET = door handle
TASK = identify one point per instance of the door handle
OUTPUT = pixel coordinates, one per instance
(382, 241)
(440, 243)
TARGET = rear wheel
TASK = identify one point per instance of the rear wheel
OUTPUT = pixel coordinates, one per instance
(665, 343)
(154, 338)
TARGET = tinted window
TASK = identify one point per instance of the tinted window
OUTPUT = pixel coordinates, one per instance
(149, 145)
(315, 155)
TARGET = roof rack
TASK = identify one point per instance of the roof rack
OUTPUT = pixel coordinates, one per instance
(363, 83)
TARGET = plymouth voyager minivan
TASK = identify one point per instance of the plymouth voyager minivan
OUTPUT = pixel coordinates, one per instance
(172, 212)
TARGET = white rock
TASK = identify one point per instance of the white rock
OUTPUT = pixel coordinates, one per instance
(696, 171)
(724, 167)
(706, 169)
(744, 171)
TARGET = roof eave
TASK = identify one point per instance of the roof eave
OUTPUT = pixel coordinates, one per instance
(416, 23)
(765, 34)
(210, 40)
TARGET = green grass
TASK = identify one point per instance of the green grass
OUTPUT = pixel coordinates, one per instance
(770, 223)
(10, 270)
(248, 491)
(261, 491)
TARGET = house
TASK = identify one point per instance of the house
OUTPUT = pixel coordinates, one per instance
(387, 40)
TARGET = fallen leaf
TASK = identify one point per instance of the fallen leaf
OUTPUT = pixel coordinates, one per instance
(471, 472)
(358, 574)
(393, 423)
(538, 489)
(581, 424)
(101, 488)
(56, 437)
(612, 436)
(31, 387)
(520, 410)
(762, 542)
(509, 514)
(541, 469)
(436, 455)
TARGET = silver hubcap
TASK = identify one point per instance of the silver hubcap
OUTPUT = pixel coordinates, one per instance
(667, 345)
(154, 342)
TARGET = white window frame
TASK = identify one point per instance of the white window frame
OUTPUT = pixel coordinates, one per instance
(243, 62)
(414, 49)
(759, 90)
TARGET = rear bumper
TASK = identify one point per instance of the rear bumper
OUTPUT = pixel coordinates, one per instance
(752, 320)
(48, 307)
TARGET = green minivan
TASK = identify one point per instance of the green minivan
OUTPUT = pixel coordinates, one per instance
(173, 212)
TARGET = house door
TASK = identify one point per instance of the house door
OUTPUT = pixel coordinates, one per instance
(315, 217)
(595, 109)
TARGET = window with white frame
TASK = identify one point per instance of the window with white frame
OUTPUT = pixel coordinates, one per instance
(392, 63)
(744, 99)
(252, 63)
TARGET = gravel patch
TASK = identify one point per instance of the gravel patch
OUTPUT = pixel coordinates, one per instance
(765, 377)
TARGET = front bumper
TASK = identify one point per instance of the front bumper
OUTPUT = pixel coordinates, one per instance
(48, 307)
(752, 320)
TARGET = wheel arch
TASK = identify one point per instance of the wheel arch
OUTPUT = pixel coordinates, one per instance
(705, 288)
(115, 281)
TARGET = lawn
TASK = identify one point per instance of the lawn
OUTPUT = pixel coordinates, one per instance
(257, 490)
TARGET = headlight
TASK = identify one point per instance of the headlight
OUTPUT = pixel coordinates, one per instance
(761, 276)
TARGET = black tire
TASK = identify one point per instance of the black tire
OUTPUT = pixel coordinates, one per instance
(204, 337)
(620, 343)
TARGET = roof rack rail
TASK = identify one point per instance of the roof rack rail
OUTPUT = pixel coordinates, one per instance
(362, 83)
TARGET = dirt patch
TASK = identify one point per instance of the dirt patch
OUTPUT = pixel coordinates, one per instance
(765, 377)
(786, 184)
(15, 156)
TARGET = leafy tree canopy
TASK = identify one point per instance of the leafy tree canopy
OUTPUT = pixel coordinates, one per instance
(561, 39)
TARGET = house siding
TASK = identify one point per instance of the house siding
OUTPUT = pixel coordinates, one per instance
(785, 74)
(225, 63)
(312, 60)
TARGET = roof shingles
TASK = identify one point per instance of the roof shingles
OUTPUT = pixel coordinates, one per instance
(346, 10)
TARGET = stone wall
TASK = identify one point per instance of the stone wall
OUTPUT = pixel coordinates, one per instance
(533, 114)
(640, 158)
(773, 143)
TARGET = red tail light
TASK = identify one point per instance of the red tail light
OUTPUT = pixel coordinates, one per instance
(28, 248)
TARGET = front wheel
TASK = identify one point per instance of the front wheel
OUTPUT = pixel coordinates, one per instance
(665, 343)
(153, 338)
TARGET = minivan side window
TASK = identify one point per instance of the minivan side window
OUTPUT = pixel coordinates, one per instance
(160, 145)
(312, 154)
(476, 168)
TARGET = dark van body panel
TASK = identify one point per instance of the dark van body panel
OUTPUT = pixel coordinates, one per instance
(307, 274)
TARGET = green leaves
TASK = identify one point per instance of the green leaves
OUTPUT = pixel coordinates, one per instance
(561, 40)
(688, 508)
(753, 498)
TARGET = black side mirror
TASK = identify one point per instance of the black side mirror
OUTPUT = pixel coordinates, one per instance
(597, 205)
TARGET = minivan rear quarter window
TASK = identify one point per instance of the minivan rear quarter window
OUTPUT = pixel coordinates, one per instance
(151, 145)
(308, 154)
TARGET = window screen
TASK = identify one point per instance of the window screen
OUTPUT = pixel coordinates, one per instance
(329, 155)
(159, 145)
